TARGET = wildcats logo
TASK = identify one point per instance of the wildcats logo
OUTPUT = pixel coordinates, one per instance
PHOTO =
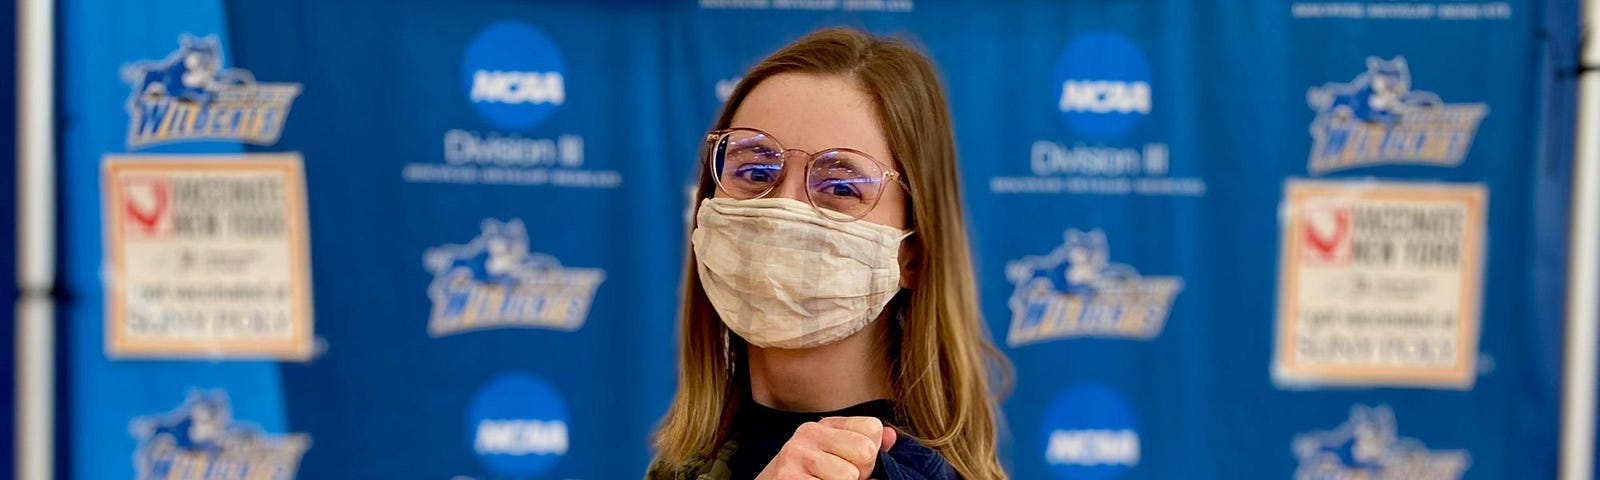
(1367, 447)
(1077, 292)
(189, 96)
(1377, 119)
(200, 440)
(495, 282)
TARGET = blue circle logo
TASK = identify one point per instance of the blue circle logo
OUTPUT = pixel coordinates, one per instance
(1090, 433)
(1102, 85)
(513, 75)
(517, 425)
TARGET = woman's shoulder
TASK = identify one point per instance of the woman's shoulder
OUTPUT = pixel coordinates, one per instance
(714, 467)
(690, 470)
(662, 471)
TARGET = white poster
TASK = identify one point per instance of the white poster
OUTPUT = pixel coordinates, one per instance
(1380, 284)
(208, 257)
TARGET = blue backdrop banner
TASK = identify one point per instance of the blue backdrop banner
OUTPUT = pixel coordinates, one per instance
(8, 238)
(1260, 241)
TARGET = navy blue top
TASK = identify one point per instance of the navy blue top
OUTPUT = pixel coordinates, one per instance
(761, 431)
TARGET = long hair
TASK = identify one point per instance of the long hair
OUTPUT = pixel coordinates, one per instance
(946, 370)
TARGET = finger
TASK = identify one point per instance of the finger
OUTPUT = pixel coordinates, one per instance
(866, 426)
(860, 450)
(889, 437)
(827, 466)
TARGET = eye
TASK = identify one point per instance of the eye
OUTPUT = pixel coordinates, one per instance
(839, 187)
(758, 172)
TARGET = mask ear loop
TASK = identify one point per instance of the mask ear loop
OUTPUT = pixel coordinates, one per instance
(900, 306)
(727, 353)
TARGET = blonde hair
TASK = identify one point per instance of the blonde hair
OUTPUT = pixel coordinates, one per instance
(945, 361)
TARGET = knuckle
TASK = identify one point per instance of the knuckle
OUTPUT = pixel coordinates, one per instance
(862, 424)
(830, 467)
(808, 429)
(849, 471)
(812, 460)
(791, 466)
(866, 452)
(871, 423)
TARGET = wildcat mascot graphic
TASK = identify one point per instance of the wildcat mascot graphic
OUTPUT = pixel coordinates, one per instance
(190, 96)
(1076, 291)
(1378, 119)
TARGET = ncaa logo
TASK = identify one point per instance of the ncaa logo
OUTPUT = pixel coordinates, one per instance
(517, 426)
(1103, 83)
(513, 75)
(1090, 433)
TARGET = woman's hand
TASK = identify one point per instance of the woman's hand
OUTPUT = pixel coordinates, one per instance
(835, 448)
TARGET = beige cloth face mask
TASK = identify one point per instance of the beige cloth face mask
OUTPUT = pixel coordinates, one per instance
(781, 276)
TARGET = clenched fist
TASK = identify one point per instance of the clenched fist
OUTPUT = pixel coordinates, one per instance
(834, 448)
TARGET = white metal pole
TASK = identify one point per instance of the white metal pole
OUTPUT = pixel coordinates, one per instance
(36, 212)
(1583, 283)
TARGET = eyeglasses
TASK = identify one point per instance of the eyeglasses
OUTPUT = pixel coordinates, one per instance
(842, 184)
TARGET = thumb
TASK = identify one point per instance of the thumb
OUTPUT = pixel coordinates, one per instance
(889, 437)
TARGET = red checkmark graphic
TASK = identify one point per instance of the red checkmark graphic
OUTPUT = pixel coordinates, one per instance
(1327, 243)
(147, 203)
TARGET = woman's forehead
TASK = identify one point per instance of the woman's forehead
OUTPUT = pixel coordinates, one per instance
(814, 112)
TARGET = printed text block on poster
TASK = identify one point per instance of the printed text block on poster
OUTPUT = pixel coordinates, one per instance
(1379, 284)
(208, 257)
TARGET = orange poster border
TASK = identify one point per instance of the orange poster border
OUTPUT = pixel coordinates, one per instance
(1463, 371)
(298, 347)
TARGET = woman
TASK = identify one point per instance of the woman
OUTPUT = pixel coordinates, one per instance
(830, 320)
